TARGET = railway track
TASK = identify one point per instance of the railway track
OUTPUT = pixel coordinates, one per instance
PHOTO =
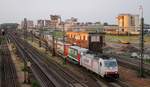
(52, 74)
(132, 63)
(58, 69)
(40, 75)
(101, 82)
(53, 68)
(8, 71)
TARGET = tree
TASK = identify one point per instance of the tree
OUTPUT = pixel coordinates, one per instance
(105, 24)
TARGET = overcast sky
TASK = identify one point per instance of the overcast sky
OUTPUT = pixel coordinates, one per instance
(84, 10)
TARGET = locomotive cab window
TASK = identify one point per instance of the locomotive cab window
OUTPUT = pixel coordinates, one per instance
(110, 63)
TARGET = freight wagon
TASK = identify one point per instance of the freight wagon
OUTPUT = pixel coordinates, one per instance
(99, 63)
(75, 53)
(62, 49)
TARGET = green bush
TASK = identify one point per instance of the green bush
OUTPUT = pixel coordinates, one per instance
(35, 83)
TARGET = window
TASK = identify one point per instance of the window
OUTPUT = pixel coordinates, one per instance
(71, 35)
(74, 36)
(110, 63)
(94, 38)
(86, 37)
(83, 37)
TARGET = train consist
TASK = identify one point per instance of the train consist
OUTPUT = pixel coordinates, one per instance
(97, 62)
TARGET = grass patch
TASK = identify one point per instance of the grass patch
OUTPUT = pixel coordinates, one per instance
(147, 61)
(131, 39)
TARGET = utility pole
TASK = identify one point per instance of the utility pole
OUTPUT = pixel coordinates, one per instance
(32, 35)
(53, 37)
(65, 60)
(54, 54)
(28, 71)
(142, 43)
(25, 72)
(39, 37)
(25, 36)
(46, 46)
(63, 33)
(25, 28)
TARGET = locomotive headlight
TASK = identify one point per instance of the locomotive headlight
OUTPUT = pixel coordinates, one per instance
(109, 68)
(116, 72)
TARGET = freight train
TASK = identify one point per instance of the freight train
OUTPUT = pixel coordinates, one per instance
(99, 63)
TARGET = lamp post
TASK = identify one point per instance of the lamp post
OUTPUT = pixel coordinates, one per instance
(141, 42)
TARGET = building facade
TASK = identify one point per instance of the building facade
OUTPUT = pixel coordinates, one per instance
(91, 27)
(71, 24)
(30, 24)
(40, 23)
(47, 23)
(128, 23)
(55, 21)
(111, 29)
(82, 39)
